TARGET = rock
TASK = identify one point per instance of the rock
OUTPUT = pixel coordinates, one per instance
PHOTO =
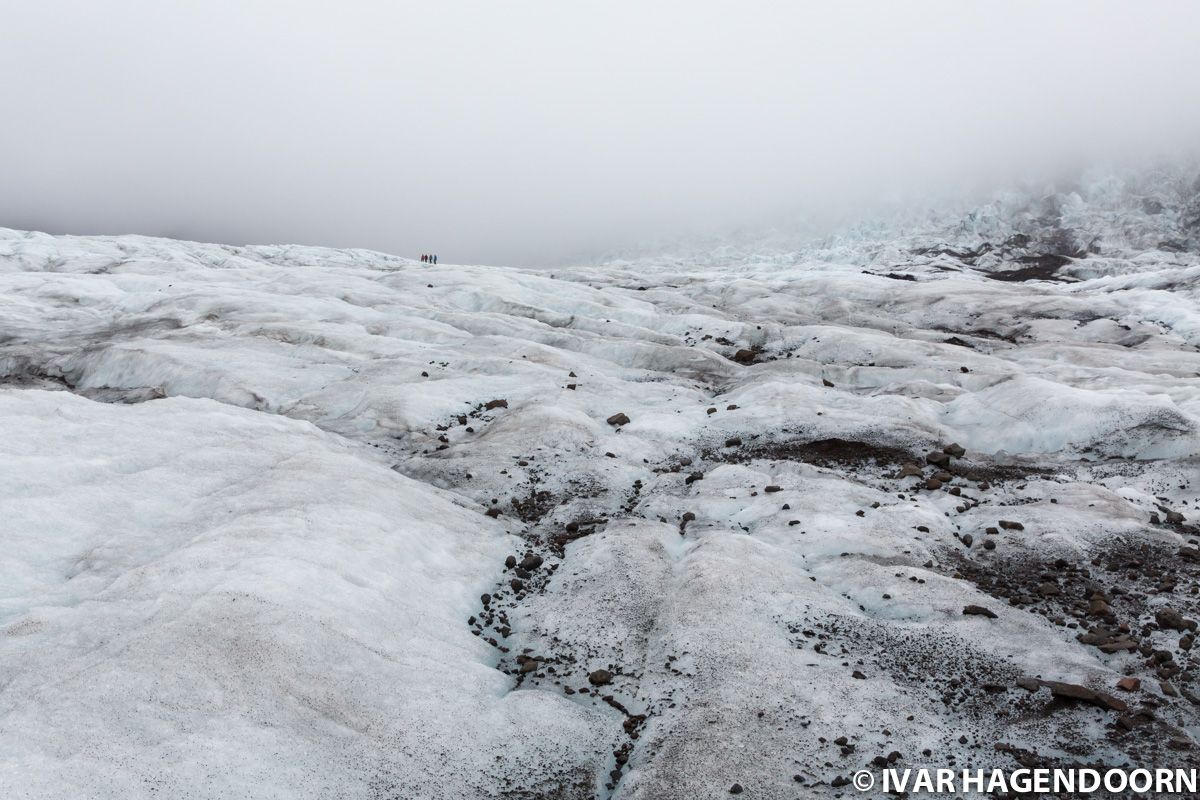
(531, 562)
(933, 484)
(857, 675)
(493, 512)
(1170, 619)
(978, 611)
(618, 419)
(516, 584)
(485, 598)
(772, 489)
(494, 404)
(954, 449)
(826, 383)
(510, 562)
(735, 789)
(1129, 684)
(688, 516)
(1189, 553)
(745, 356)
(695, 476)
(1029, 684)
(733, 442)
(529, 666)
(1009, 525)
(600, 677)
(938, 459)
(1072, 691)
(910, 471)
(989, 544)
(1175, 518)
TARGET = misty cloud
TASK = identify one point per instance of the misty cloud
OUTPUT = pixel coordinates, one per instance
(535, 131)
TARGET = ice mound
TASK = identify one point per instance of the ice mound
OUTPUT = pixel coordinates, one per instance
(1034, 416)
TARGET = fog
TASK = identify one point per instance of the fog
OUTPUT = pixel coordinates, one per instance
(537, 132)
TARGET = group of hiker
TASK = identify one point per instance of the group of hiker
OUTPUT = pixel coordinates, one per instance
(429, 259)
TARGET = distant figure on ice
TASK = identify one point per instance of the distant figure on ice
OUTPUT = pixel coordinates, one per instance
(435, 259)
(424, 258)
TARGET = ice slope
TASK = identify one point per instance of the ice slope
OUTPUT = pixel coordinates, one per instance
(202, 601)
(246, 493)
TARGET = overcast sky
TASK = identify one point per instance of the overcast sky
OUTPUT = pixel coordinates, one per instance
(529, 132)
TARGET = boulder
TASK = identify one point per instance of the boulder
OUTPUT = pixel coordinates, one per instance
(745, 356)
(600, 677)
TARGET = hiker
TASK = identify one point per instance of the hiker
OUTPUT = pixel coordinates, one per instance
(424, 258)
(435, 259)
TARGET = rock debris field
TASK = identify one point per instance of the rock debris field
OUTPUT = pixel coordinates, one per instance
(288, 522)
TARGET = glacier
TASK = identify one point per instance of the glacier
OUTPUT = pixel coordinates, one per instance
(285, 521)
